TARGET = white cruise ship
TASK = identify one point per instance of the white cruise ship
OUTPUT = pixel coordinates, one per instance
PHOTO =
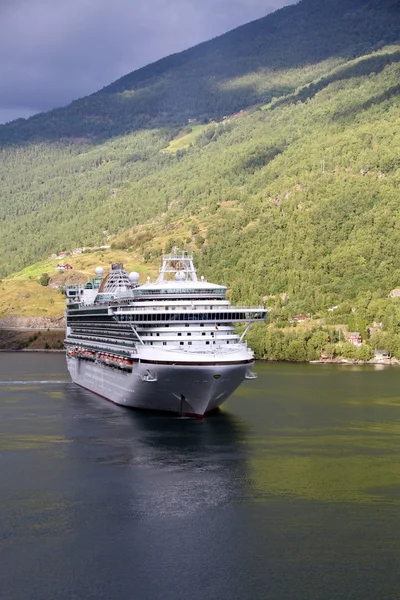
(167, 345)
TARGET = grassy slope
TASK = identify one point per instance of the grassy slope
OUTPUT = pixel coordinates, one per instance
(185, 140)
(22, 295)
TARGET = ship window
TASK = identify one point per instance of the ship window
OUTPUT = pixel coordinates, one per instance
(181, 343)
(186, 325)
(165, 343)
(203, 333)
(189, 343)
(207, 343)
(179, 334)
(158, 334)
(189, 334)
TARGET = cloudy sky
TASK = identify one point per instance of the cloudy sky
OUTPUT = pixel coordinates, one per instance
(54, 51)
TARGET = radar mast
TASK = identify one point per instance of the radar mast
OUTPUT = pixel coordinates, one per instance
(178, 261)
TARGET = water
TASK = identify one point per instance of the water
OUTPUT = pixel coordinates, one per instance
(292, 492)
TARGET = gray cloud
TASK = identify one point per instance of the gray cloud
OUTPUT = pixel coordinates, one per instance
(54, 51)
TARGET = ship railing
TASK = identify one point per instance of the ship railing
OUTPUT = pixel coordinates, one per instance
(177, 254)
(74, 286)
(217, 349)
(189, 308)
(126, 343)
(99, 347)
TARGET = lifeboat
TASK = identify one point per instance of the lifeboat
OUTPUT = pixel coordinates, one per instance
(118, 362)
(112, 360)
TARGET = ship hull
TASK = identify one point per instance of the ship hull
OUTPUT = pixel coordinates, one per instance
(182, 389)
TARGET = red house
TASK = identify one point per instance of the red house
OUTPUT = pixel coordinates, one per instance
(354, 337)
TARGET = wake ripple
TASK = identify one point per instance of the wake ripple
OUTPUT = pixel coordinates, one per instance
(48, 382)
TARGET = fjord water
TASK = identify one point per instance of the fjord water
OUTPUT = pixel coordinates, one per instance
(291, 492)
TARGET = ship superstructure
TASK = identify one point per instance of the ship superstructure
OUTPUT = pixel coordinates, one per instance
(165, 345)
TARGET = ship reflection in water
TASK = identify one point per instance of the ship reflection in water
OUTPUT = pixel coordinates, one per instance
(174, 466)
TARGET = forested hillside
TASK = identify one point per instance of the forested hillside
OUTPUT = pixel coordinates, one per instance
(285, 180)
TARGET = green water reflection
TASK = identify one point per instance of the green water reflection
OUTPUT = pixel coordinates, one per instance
(324, 434)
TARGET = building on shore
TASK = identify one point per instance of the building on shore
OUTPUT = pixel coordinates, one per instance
(354, 337)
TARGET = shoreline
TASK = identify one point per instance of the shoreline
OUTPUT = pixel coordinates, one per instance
(32, 350)
(16, 340)
(341, 363)
(356, 363)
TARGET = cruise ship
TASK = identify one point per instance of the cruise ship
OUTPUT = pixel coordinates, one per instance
(168, 345)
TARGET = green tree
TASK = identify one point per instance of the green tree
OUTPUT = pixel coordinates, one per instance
(364, 352)
(44, 279)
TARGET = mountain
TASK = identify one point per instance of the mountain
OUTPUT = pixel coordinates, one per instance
(267, 58)
(285, 181)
